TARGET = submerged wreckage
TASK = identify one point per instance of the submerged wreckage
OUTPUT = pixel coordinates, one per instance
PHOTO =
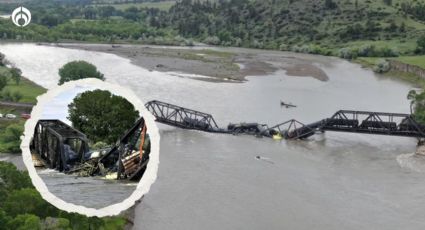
(59, 146)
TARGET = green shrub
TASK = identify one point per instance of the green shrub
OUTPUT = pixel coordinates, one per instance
(214, 40)
(283, 47)
(99, 145)
(76, 70)
(348, 53)
(11, 138)
(382, 66)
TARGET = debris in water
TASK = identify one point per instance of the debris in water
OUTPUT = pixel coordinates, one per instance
(287, 105)
(266, 159)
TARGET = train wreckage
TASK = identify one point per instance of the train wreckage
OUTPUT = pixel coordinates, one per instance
(59, 146)
(366, 122)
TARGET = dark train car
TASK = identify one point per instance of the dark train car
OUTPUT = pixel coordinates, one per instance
(409, 125)
(347, 123)
(196, 123)
(379, 125)
(246, 128)
(58, 144)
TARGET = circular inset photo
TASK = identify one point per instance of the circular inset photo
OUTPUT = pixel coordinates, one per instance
(91, 147)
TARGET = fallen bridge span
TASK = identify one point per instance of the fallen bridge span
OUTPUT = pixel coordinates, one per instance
(350, 121)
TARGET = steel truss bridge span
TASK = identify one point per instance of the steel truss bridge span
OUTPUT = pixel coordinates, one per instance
(366, 122)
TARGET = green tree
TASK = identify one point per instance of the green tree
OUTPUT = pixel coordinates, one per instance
(388, 2)
(420, 45)
(78, 70)
(330, 4)
(12, 138)
(16, 75)
(417, 105)
(25, 222)
(22, 207)
(101, 115)
(26, 200)
(12, 178)
(4, 218)
(3, 82)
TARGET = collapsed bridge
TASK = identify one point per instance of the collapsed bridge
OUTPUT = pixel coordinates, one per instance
(378, 123)
(57, 145)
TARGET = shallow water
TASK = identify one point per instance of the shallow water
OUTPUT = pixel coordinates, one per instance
(15, 159)
(209, 181)
(87, 191)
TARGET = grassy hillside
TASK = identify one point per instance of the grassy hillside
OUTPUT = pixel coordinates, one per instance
(285, 23)
(28, 90)
(348, 28)
(413, 60)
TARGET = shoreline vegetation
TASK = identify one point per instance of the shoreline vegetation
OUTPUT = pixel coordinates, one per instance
(390, 71)
(22, 207)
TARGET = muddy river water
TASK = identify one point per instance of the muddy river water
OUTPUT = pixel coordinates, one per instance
(210, 181)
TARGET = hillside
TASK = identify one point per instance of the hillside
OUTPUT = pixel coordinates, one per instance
(347, 28)
(285, 23)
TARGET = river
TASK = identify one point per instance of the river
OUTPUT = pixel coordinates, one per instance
(210, 181)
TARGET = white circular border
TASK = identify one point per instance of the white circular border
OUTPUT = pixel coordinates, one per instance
(144, 184)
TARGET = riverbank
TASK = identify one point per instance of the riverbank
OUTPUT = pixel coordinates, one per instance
(222, 64)
(394, 72)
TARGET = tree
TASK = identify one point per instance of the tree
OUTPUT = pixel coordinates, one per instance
(330, 4)
(388, 2)
(16, 75)
(420, 49)
(12, 138)
(26, 200)
(78, 70)
(12, 178)
(101, 115)
(23, 208)
(402, 28)
(3, 82)
(25, 222)
(417, 105)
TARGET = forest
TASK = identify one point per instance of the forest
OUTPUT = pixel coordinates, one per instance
(328, 27)
(23, 208)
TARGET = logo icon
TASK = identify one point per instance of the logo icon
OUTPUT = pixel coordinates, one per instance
(21, 16)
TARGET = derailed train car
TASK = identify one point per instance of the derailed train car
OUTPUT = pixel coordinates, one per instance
(61, 147)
